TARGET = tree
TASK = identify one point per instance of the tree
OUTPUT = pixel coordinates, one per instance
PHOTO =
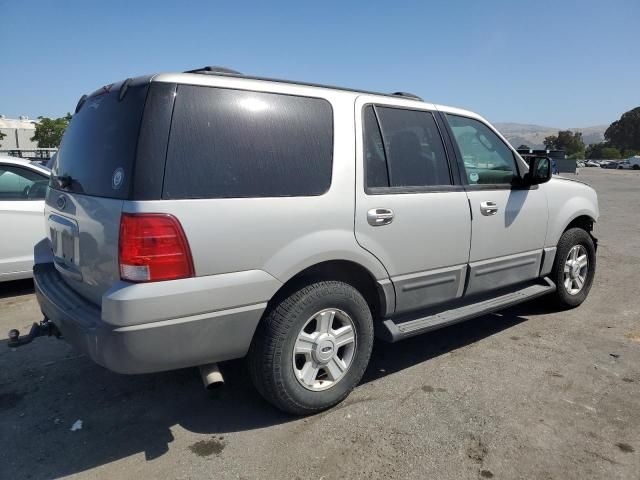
(611, 153)
(595, 150)
(624, 134)
(566, 140)
(49, 131)
(2, 135)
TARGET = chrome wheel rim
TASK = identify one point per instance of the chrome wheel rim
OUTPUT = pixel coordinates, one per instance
(324, 349)
(576, 267)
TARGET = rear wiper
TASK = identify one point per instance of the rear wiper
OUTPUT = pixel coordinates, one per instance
(64, 181)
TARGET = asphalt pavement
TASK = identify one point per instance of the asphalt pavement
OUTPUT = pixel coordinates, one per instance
(526, 393)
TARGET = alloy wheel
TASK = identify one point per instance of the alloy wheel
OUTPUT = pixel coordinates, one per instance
(324, 349)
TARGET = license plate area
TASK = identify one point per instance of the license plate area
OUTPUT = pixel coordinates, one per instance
(65, 245)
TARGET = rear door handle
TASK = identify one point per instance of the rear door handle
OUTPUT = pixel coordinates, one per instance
(379, 216)
(488, 208)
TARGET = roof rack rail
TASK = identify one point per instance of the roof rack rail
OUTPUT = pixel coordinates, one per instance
(213, 70)
(407, 94)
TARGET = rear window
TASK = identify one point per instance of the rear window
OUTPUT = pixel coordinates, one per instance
(236, 143)
(99, 146)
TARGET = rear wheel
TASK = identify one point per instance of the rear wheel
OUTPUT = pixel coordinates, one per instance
(312, 348)
(574, 267)
(636, 167)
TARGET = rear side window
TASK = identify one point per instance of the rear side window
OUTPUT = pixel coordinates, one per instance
(234, 143)
(99, 146)
(410, 142)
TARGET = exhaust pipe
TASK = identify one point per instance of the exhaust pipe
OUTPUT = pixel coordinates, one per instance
(211, 376)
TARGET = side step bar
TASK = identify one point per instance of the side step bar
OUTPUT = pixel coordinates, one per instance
(400, 329)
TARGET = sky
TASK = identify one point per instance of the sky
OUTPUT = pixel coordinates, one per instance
(559, 63)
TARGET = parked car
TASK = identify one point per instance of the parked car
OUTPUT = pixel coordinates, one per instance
(222, 216)
(612, 164)
(23, 186)
(624, 165)
(634, 162)
(591, 163)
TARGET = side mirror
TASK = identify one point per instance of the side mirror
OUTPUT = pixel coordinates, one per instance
(539, 171)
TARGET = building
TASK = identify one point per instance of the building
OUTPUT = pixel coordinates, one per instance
(18, 133)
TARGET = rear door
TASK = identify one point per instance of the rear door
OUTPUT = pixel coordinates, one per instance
(410, 213)
(509, 222)
(22, 192)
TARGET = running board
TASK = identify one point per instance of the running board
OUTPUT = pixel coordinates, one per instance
(401, 328)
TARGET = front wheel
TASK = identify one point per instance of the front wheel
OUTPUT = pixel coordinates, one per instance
(312, 348)
(574, 267)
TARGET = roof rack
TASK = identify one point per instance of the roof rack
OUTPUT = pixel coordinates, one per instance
(213, 70)
(407, 94)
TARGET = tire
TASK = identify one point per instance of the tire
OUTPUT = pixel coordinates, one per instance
(579, 241)
(636, 167)
(287, 379)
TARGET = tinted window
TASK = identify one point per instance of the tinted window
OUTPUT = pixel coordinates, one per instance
(375, 160)
(21, 184)
(487, 159)
(99, 146)
(234, 143)
(414, 149)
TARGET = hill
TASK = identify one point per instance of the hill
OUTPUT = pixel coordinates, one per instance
(533, 135)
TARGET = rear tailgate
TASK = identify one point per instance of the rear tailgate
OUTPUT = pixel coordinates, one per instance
(90, 181)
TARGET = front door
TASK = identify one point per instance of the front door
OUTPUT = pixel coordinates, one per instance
(410, 213)
(509, 222)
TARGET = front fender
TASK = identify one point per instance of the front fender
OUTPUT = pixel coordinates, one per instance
(567, 201)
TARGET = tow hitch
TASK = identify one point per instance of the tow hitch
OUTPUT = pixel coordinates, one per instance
(44, 328)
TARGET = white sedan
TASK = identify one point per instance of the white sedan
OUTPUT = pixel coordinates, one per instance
(23, 186)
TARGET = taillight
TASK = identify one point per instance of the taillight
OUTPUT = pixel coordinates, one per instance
(153, 247)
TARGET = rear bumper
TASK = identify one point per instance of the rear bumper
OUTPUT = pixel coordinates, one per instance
(168, 344)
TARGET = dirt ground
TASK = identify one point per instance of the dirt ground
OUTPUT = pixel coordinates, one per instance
(526, 393)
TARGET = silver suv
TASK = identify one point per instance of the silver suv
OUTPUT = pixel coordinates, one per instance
(206, 216)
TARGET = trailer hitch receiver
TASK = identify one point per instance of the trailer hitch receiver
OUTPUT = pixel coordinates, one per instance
(44, 328)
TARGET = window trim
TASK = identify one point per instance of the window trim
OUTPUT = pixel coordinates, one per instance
(164, 196)
(460, 161)
(455, 184)
(26, 169)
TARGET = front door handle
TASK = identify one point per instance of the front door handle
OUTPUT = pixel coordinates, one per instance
(488, 208)
(379, 216)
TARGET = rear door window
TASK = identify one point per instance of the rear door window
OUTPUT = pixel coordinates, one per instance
(375, 158)
(99, 146)
(235, 143)
(411, 143)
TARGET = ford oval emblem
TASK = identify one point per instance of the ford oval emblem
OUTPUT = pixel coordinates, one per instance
(61, 202)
